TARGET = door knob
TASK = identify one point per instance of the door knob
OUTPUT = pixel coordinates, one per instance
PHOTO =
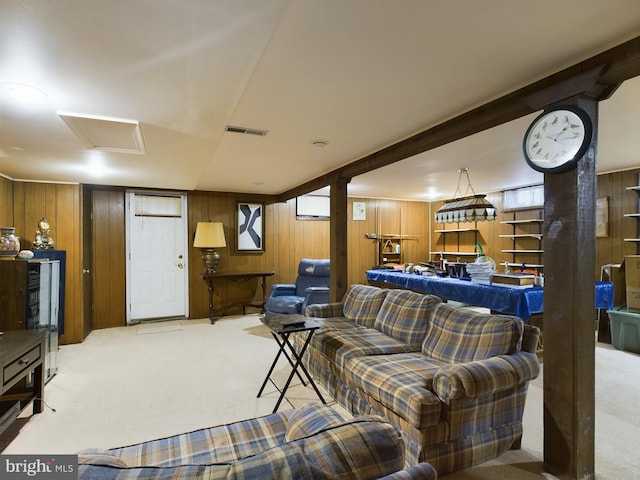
(180, 266)
(179, 256)
(85, 270)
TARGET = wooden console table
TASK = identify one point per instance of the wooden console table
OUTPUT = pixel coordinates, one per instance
(21, 352)
(211, 278)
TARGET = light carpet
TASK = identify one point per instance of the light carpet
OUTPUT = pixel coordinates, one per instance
(125, 385)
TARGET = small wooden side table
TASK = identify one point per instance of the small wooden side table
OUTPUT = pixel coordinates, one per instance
(211, 278)
(281, 328)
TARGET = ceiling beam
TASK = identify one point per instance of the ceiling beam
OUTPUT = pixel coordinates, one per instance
(598, 77)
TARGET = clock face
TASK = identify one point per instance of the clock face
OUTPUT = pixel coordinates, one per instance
(557, 139)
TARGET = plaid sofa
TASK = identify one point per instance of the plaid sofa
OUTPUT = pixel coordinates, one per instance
(454, 381)
(313, 442)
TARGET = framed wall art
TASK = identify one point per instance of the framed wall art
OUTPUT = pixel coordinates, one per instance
(602, 217)
(250, 227)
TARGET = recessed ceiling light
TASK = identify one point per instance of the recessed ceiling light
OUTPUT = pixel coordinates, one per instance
(319, 143)
(23, 93)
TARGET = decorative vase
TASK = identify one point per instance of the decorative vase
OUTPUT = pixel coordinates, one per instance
(9, 243)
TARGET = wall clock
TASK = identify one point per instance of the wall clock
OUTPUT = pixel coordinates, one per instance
(557, 138)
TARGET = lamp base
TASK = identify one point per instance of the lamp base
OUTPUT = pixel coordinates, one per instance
(210, 260)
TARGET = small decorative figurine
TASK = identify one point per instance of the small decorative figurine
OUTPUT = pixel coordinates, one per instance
(9, 243)
(43, 240)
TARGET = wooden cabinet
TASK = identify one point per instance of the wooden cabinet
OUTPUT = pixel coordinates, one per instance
(21, 373)
(19, 295)
(29, 300)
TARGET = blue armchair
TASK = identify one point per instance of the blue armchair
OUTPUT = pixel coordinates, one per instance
(312, 286)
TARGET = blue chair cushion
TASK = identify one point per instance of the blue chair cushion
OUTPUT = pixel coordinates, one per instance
(285, 304)
(311, 273)
(311, 286)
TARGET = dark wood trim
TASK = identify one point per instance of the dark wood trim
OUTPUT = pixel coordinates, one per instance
(338, 241)
(598, 77)
(569, 341)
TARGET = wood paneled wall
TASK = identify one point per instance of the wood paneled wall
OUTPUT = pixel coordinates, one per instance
(108, 266)
(613, 248)
(221, 207)
(287, 239)
(394, 217)
(6, 202)
(60, 204)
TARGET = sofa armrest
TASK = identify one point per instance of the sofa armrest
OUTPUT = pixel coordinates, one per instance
(420, 471)
(495, 374)
(315, 295)
(281, 289)
(530, 338)
(324, 310)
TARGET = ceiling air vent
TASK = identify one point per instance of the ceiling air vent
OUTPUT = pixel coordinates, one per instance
(246, 131)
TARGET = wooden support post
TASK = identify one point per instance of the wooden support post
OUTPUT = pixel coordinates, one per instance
(338, 241)
(569, 337)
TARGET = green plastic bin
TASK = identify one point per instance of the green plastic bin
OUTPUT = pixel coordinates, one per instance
(625, 329)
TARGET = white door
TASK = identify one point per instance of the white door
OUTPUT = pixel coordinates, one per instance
(156, 256)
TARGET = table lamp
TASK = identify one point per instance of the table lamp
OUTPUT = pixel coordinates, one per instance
(209, 236)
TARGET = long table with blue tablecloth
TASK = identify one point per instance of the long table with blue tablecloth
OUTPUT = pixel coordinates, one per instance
(522, 301)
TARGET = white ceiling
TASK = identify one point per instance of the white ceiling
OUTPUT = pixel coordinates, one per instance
(359, 74)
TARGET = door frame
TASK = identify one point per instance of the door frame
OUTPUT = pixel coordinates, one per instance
(129, 193)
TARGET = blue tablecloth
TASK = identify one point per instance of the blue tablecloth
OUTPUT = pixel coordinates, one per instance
(513, 300)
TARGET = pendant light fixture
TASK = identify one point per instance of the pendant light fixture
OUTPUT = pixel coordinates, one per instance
(467, 208)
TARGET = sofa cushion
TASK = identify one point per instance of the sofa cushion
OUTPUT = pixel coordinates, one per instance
(337, 346)
(365, 448)
(458, 335)
(98, 456)
(404, 315)
(231, 442)
(310, 420)
(361, 303)
(336, 323)
(400, 384)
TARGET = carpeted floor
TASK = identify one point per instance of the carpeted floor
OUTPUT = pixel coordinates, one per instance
(131, 384)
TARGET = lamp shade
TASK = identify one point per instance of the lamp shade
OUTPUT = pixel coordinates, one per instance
(209, 235)
(473, 208)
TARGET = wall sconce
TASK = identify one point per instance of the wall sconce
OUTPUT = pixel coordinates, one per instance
(469, 208)
(209, 236)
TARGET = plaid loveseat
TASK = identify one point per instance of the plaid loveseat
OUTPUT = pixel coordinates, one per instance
(453, 380)
(313, 442)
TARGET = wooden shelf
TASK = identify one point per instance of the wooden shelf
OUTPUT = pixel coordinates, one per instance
(526, 265)
(528, 220)
(453, 230)
(382, 236)
(523, 235)
(635, 188)
(529, 231)
(522, 251)
(459, 254)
